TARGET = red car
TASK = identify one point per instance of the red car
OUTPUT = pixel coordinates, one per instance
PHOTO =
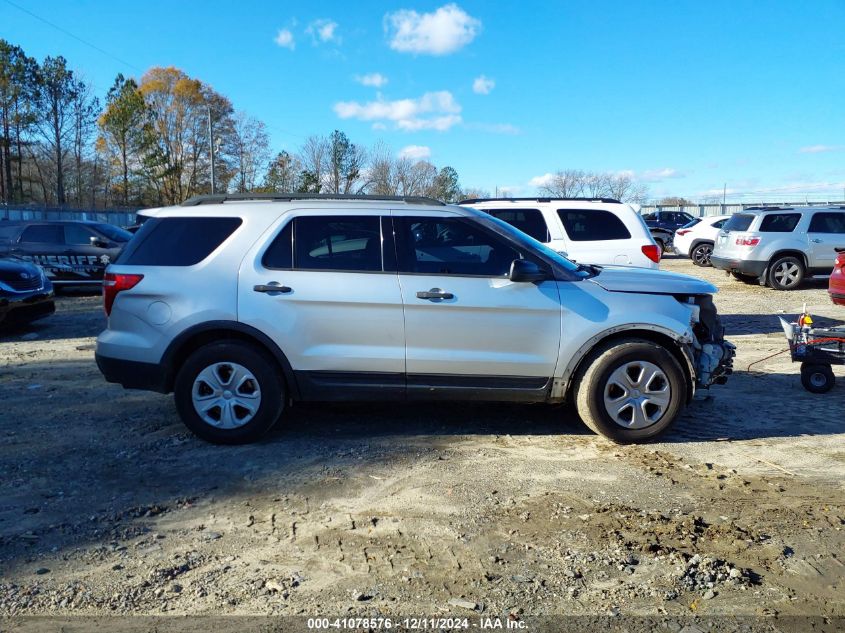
(836, 289)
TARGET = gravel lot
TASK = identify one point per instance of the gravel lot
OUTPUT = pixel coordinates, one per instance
(108, 506)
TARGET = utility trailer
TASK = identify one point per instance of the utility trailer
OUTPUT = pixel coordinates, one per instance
(817, 349)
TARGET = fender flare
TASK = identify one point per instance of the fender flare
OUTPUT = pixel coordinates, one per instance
(683, 344)
(176, 351)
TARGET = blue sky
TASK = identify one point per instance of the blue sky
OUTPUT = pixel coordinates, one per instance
(686, 96)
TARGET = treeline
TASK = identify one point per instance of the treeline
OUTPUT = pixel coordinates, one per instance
(150, 143)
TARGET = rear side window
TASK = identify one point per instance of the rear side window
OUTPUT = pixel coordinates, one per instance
(344, 243)
(827, 223)
(780, 223)
(177, 241)
(529, 221)
(44, 234)
(738, 222)
(595, 224)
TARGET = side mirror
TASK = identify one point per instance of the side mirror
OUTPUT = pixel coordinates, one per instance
(98, 242)
(523, 270)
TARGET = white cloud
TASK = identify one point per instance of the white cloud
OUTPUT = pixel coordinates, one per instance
(656, 175)
(483, 85)
(376, 80)
(285, 39)
(433, 111)
(442, 32)
(415, 152)
(542, 181)
(322, 31)
(818, 149)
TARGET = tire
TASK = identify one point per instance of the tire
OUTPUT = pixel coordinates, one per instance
(747, 279)
(817, 378)
(603, 376)
(661, 244)
(237, 419)
(700, 255)
(786, 273)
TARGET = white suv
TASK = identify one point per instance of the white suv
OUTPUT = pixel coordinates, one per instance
(588, 230)
(243, 305)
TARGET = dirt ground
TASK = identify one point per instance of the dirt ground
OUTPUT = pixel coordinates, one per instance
(109, 506)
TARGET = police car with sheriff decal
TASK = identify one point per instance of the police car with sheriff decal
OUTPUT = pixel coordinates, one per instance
(70, 252)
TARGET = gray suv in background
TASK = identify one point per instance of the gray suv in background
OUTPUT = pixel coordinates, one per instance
(780, 246)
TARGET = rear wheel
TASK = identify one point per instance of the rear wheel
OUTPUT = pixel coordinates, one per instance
(229, 393)
(700, 255)
(630, 390)
(661, 244)
(786, 273)
(817, 378)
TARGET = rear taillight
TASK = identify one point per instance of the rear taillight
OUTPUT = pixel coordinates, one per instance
(114, 283)
(840, 260)
(652, 251)
(747, 241)
(682, 231)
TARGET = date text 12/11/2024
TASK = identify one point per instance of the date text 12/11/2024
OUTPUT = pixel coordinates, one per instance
(412, 623)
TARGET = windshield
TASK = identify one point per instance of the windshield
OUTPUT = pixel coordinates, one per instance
(114, 233)
(528, 242)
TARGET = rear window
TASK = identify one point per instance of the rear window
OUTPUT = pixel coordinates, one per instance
(337, 243)
(780, 223)
(691, 223)
(44, 234)
(739, 222)
(177, 241)
(584, 225)
(529, 221)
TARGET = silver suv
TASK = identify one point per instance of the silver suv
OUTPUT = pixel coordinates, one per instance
(780, 246)
(243, 305)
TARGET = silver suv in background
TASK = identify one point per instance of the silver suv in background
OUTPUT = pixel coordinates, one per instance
(780, 246)
(244, 305)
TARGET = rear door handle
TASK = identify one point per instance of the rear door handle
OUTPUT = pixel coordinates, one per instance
(816, 240)
(434, 293)
(273, 286)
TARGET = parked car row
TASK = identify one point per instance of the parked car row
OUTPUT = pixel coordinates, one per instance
(36, 256)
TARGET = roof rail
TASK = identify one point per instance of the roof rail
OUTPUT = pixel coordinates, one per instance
(288, 197)
(476, 200)
(767, 208)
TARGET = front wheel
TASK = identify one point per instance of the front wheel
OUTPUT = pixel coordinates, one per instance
(817, 378)
(229, 393)
(630, 390)
(700, 255)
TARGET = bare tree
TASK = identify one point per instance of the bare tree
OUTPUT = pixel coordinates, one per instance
(381, 171)
(313, 155)
(251, 147)
(567, 183)
(623, 187)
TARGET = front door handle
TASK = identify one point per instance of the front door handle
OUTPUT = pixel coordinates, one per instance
(273, 286)
(434, 293)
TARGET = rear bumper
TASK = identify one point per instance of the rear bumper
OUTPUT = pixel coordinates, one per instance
(837, 297)
(133, 374)
(748, 267)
